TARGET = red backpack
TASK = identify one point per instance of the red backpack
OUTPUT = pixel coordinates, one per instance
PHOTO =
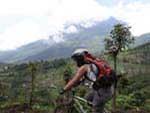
(103, 67)
(106, 76)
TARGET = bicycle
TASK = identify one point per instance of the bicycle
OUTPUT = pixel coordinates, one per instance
(70, 103)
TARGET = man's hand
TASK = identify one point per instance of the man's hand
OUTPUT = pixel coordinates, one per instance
(90, 103)
(62, 91)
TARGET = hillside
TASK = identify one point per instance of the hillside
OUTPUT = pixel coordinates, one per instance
(136, 61)
(45, 49)
(133, 87)
(142, 39)
(88, 37)
(24, 51)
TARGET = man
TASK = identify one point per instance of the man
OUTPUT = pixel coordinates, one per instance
(97, 72)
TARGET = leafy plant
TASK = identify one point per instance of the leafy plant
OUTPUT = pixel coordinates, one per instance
(119, 39)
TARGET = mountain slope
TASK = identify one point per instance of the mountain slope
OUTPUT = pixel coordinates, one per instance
(142, 39)
(91, 38)
(24, 51)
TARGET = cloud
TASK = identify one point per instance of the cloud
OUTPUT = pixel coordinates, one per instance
(43, 18)
(27, 7)
(136, 14)
(20, 34)
(80, 10)
(26, 21)
(71, 29)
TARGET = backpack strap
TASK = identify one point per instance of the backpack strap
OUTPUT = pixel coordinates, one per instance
(91, 67)
(102, 65)
(88, 78)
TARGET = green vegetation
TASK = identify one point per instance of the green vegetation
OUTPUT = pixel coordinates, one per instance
(120, 38)
(17, 84)
(134, 85)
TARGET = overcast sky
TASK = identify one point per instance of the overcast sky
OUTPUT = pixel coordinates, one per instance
(25, 21)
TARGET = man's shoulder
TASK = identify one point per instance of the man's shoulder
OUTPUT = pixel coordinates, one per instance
(84, 67)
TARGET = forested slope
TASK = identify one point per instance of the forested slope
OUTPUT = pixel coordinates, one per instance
(15, 83)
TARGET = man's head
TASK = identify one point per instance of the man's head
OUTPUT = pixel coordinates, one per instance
(78, 56)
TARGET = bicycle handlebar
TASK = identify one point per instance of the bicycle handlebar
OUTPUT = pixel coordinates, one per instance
(74, 96)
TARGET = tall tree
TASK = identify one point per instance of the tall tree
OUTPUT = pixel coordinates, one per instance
(32, 69)
(119, 39)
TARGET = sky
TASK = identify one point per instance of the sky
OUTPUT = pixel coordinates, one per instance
(25, 21)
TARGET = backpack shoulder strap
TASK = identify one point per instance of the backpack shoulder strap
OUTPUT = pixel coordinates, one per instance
(94, 70)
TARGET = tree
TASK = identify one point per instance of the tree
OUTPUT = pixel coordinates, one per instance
(119, 39)
(67, 74)
(32, 69)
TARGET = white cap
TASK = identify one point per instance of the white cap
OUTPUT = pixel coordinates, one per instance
(79, 51)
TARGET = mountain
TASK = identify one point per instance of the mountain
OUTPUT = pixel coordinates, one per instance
(91, 37)
(142, 39)
(24, 51)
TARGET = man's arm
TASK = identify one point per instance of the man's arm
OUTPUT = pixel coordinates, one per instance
(80, 73)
